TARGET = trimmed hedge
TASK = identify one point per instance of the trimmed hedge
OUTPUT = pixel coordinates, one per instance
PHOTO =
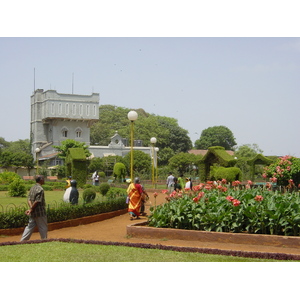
(17, 218)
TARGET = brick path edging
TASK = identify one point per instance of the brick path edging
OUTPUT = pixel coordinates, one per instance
(140, 230)
(69, 223)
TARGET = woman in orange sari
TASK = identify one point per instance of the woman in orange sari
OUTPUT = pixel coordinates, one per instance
(135, 192)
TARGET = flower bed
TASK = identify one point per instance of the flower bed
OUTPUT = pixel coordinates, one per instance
(220, 208)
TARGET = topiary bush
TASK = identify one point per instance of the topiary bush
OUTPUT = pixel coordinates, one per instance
(104, 188)
(89, 195)
(17, 188)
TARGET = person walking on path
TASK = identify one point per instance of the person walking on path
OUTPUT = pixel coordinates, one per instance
(181, 181)
(170, 183)
(135, 192)
(37, 211)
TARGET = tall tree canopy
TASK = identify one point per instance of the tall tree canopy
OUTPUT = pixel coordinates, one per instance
(166, 130)
(216, 136)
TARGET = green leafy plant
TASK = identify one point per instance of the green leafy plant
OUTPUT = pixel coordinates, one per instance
(211, 207)
(17, 188)
(104, 188)
(89, 195)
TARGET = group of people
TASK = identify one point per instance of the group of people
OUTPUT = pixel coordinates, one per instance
(137, 197)
(178, 184)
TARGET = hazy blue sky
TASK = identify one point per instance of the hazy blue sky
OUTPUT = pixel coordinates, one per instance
(250, 85)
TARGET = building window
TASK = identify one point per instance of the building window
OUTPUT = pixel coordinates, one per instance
(87, 110)
(64, 132)
(67, 108)
(78, 133)
(60, 108)
(80, 109)
(52, 109)
(74, 109)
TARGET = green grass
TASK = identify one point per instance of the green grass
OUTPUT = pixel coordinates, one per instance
(52, 198)
(74, 252)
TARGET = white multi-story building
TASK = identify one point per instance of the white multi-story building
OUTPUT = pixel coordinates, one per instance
(56, 117)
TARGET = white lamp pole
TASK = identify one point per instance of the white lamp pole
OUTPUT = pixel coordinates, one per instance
(156, 166)
(132, 116)
(37, 151)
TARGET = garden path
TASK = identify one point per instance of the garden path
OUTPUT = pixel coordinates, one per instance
(114, 230)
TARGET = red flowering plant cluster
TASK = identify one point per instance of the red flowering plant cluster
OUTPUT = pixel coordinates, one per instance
(219, 206)
(283, 170)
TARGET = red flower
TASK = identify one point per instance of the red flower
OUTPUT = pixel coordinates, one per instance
(155, 195)
(164, 191)
(236, 202)
(229, 198)
(196, 199)
(258, 198)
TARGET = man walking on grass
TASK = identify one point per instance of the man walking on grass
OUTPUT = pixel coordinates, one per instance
(37, 211)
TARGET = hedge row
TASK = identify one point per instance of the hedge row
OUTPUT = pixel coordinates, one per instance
(17, 218)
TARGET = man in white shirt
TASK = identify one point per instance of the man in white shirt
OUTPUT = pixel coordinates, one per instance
(170, 183)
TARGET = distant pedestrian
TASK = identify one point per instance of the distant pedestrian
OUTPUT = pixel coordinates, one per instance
(177, 185)
(95, 178)
(170, 183)
(181, 181)
(37, 211)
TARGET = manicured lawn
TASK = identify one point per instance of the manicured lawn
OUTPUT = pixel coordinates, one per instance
(53, 198)
(73, 252)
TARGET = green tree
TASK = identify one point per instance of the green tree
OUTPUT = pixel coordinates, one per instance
(216, 136)
(164, 155)
(247, 150)
(243, 153)
(96, 164)
(69, 143)
(184, 162)
(141, 162)
(165, 129)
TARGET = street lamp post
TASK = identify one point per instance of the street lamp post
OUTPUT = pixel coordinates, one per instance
(156, 166)
(132, 116)
(37, 151)
(153, 142)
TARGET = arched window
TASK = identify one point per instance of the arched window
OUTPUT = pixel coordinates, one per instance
(64, 132)
(78, 133)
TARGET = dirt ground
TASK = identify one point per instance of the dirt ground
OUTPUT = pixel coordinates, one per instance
(114, 230)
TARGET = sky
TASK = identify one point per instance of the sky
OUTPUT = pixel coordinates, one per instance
(249, 84)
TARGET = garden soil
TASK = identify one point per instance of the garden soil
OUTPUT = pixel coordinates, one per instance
(114, 230)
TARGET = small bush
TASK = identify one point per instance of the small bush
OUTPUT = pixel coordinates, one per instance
(17, 188)
(89, 195)
(116, 192)
(8, 177)
(104, 188)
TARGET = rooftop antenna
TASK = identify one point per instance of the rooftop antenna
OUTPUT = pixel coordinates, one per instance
(33, 80)
(72, 83)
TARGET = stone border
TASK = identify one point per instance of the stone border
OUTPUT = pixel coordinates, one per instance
(140, 230)
(69, 223)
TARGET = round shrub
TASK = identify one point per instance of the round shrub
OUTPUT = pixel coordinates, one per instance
(104, 188)
(89, 195)
(17, 188)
